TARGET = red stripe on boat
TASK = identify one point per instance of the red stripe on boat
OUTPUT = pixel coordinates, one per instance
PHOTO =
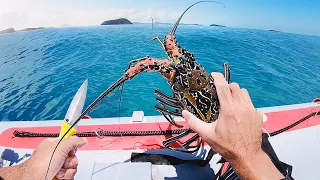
(276, 121)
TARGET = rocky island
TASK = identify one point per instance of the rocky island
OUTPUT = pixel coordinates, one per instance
(9, 30)
(192, 24)
(217, 25)
(12, 30)
(272, 30)
(117, 22)
(31, 29)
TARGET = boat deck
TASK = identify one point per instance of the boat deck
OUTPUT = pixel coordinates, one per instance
(101, 159)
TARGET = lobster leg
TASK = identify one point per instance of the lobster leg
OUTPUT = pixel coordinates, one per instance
(226, 68)
(165, 103)
(171, 140)
(158, 39)
(166, 97)
(166, 111)
(188, 142)
(167, 114)
(176, 106)
(170, 120)
(191, 140)
(167, 142)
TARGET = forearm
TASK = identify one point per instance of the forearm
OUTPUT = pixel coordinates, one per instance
(12, 172)
(256, 167)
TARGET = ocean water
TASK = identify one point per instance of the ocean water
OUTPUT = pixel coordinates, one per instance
(40, 71)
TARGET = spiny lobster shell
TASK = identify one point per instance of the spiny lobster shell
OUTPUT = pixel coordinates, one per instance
(195, 89)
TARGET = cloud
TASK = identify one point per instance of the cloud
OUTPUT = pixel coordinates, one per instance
(36, 13)
(10, 19)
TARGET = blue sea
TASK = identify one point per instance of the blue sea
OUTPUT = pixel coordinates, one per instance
(40, 71)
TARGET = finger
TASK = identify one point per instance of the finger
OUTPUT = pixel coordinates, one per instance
(47, 141)
(73, 152)
(71, 163)
(223, 90)
(236, 92)
(66, 173)
(52, 139)
(200, 127)
(219, 79)
(44, 144)
(260, 117)
(246, 97)
(70, 144)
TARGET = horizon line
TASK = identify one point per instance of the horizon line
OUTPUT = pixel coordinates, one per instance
(166, 23)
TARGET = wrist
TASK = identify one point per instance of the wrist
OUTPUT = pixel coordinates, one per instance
(12, 172)
(30, 170)
(256, 166)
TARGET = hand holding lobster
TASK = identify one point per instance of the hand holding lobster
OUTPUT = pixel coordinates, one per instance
(236, 135)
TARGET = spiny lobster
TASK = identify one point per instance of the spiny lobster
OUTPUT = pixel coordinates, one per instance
(193, 88)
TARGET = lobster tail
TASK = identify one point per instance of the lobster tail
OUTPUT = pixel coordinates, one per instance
(173, 30)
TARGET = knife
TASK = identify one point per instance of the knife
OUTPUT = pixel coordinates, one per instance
(74, 111)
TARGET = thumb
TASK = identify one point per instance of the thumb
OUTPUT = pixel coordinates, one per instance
(62, 152)
(70, 144)
(200, 127)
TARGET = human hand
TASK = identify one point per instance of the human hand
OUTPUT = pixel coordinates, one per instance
(61, 167)
(236, 135)
(237, 131)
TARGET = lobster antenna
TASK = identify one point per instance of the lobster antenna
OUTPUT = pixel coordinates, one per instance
(173, 30)
(152, 26)
(120, 99)
(119, 106)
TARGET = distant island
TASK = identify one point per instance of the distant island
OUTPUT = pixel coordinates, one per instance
(167, 23)
(191, 24)
(9, 30)
(117, 21)
(163, 23)
(217, 25)
(272, 30)
(65, 25)
(31, 29)
(12, 30)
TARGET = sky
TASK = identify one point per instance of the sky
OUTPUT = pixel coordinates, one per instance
(295, 16)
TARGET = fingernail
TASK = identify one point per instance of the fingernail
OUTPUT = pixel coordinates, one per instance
(214, 73)
(184, 113)
(60, 174)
